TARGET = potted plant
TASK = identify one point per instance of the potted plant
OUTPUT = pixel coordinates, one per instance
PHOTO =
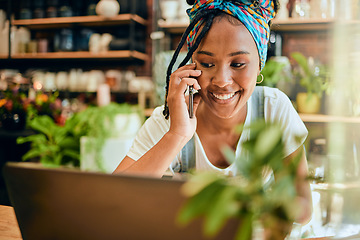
(56, 145)
(314, 78)
(276, 70)
(108, 134)
(218, 198)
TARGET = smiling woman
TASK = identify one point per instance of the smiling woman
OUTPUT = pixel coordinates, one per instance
(227, 43)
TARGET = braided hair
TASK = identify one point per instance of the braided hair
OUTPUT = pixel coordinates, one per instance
(207, 16)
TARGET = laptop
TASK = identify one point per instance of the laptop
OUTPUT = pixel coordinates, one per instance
(61, 203)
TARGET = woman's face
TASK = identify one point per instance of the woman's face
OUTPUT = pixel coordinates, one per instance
(229, 60)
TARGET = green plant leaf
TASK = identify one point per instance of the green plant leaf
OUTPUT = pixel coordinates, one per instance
(43, 124)
(268, 139)
(36, 139)
(31, 154)
(224, 207)
(302, 61)
(229, 154)
(245, 228)
(69, 143)
(198, 204)
(71, 153)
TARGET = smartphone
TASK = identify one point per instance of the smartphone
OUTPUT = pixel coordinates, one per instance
(191, 101)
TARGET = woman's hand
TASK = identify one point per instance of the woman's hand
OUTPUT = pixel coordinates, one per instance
(180, 122)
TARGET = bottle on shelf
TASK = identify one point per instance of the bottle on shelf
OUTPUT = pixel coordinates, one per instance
(39, 7)
(65, 9)
(52, 8)
(301, 9)
(25, 9)
(91, 7)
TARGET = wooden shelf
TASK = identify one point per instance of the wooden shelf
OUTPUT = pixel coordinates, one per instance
(80, 20)
(320, 118)
(125, 54)
(277, 25)
(3, 56)
(295, 24)
(173, 27)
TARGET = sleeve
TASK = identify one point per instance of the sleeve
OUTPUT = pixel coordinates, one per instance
(278, 108)
(149, 134)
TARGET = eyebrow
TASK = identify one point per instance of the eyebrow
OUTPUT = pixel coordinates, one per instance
(231, 54)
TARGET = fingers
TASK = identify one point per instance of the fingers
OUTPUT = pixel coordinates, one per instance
(183, 77)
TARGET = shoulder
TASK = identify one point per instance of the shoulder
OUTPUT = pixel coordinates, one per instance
(158, 118)
(277, 104)
(157, 113)
(276, 100)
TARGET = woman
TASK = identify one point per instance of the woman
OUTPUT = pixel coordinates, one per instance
(227, 42)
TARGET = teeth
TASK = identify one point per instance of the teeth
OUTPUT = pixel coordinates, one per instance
(224, 96)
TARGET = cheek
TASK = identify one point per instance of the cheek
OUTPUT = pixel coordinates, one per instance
(247, 78)
(203, 80)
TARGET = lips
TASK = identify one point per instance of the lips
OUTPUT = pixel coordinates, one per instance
(224, 96)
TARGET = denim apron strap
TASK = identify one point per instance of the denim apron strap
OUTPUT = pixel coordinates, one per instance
(188, 156)
(257, 106)
(257, 112)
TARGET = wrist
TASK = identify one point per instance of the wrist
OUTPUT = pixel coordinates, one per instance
(178, 138)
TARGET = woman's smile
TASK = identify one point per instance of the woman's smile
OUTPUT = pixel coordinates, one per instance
(224, 96)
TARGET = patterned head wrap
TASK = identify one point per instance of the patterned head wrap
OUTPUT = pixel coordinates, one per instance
(255, 15)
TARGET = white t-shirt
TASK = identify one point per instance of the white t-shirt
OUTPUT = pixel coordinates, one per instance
(277, 108)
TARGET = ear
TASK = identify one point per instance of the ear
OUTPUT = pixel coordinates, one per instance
(190, 2)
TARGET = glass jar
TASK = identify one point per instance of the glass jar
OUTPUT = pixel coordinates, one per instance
(301, 9)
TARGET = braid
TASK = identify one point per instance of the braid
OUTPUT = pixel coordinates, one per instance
(191, 51)
(198, 39)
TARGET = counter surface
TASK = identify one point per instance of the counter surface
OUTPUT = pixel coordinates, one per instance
(9, 228)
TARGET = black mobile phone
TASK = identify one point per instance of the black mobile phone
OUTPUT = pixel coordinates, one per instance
(191, 101)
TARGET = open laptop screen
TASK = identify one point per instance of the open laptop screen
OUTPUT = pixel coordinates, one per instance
(70, 204)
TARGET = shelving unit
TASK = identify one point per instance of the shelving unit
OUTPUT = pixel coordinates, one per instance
(84, 21)
(321, 118)
(130, 27)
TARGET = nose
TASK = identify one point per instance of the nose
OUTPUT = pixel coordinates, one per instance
(222, 77)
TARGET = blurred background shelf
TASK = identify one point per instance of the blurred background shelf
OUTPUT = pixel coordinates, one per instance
(123, 54)
(277, 25)
(321, 118)
(294, 24)
(58, 22)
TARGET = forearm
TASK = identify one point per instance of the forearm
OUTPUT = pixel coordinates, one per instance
(157, 160)
(304, 198)
(305, 210)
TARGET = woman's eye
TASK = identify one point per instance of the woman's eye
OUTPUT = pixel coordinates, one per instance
(207, 65)
(237, 65)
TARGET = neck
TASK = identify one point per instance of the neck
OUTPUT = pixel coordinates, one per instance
(213, 123)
